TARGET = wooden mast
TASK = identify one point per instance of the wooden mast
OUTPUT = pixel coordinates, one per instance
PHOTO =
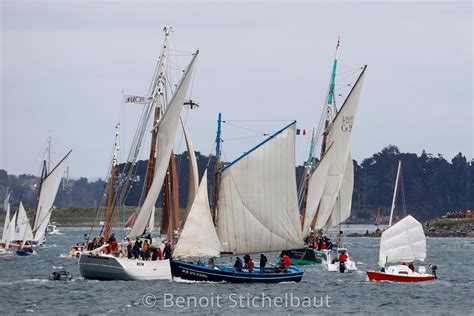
(170, 214)
(158, 92)
(217, 170)
(110, 193)
(330, 108)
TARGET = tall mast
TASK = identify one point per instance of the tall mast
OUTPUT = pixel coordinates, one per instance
(48, 153)
(307, 174)
(217, 168)
(330, 106)
(395, 192)
(157, 90)
(110, 197)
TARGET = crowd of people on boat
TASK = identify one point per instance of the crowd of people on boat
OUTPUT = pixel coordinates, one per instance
(143, 248)
(318, 242)
(459, 214)
(249, 264)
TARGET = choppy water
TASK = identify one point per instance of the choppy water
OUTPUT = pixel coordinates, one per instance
(25, 288)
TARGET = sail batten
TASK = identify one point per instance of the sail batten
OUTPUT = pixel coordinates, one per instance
(258, 207)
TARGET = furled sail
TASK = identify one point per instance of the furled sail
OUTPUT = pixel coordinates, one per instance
(22, 225)
(342, 208)
(258, 206)
(166, 134)
(199, 237)
(192, 167)
(48, 190)
(6, 207)
(404, 241)
(340, 137)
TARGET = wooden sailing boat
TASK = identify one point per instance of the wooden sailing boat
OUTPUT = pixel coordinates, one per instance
(402, 242)
(328, 186)
(118, 266)
(255, 210)
(47, 190)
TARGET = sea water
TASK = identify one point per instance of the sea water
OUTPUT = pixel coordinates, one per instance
(25, 288)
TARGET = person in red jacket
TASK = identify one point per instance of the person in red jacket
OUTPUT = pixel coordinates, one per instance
(250, 265)
(342, 262)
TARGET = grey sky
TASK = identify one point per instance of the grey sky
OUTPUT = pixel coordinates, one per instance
(64, 64)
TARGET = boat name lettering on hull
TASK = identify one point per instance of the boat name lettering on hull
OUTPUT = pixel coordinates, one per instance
(201, 275)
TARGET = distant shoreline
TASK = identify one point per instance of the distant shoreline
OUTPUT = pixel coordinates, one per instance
(439, 227)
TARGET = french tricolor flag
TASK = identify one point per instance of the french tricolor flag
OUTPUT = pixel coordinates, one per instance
(300, 131)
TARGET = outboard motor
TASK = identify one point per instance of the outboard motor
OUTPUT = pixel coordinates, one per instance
(433, 269)
(61, 275)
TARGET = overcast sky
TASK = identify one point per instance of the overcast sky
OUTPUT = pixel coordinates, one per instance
(64, 65)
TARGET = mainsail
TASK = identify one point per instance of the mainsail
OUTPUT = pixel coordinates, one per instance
(258, 206)
(339, 137)
(48, 190)
(198, 237)
(342, 208)
(316, 186)
(166, 134)
(404, 241)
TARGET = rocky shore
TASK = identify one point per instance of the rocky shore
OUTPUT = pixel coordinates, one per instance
(453, 227)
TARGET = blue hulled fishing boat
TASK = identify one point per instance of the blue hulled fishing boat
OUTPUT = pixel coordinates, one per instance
(225, 273)
(255, 210)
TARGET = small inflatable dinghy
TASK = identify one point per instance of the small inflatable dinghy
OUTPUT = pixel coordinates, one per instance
(61, 275)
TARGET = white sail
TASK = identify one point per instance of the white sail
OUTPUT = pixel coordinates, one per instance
(6, 207)
(316, 186)
(199, 237)
(151, 223)
(342, 208)
(404, 241)
(192, 167)
(166, 134)
(10, 233)
(340, 137)
(22, 225)
(258, 207)
(49, 189)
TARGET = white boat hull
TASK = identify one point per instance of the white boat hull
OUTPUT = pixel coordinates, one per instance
(107, 267)
(332, 262)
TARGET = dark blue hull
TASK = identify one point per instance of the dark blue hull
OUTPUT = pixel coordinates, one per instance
(222, 273)
(23, 253)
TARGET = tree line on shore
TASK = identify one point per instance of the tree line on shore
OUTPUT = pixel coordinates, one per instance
(432, 184)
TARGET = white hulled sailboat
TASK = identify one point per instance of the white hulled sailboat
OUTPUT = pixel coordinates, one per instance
(327, 187)
(403, 242)
(119, 265)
